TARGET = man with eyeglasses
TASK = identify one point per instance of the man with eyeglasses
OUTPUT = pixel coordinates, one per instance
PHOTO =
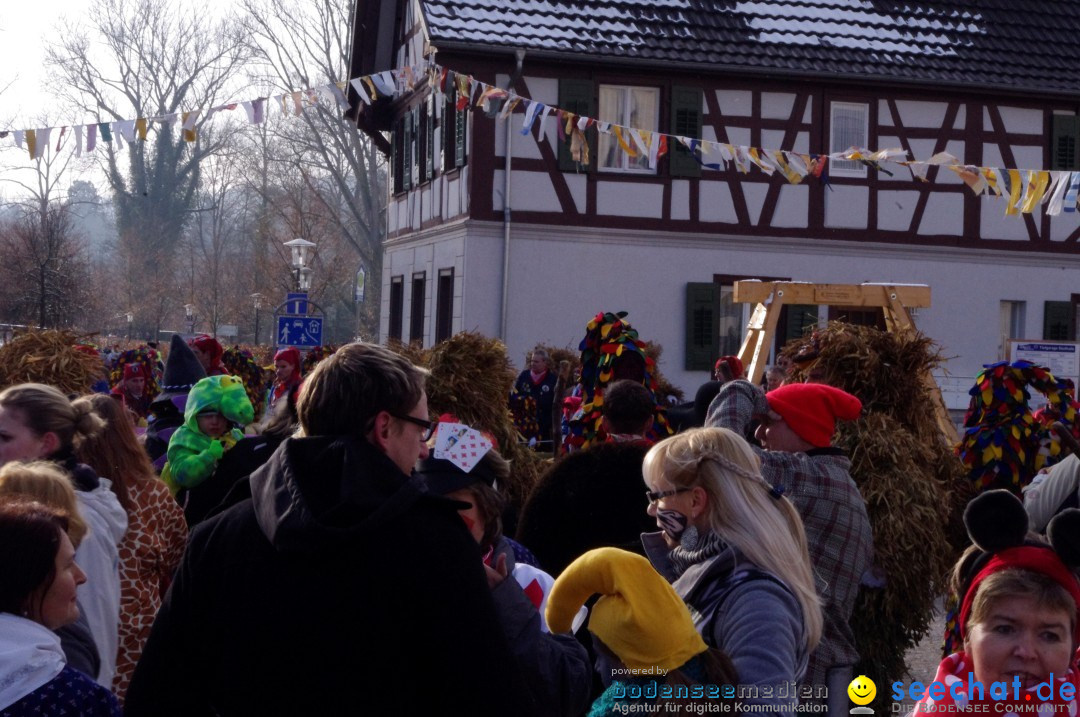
(341, 586)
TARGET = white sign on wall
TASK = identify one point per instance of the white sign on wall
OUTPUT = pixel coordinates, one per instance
(1062, 358)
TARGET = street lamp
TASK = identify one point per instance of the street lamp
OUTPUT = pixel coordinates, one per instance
(130, 317)
(189, 313)
(299, 248)
(257, 298)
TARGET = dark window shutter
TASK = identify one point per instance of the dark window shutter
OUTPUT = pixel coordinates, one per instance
(685, 122)
(419, 304)
(449, 126)
(429, 137)
(576, 96)
(799, 318)
(417, 170)
(397, 304)
(460, 118)
(395, 156)
(406, 152)
(1063, 149)
(1057, 321)
(702, 326)
(444, 305)
(422, 143)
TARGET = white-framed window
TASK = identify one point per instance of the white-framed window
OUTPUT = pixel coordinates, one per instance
(849, 126)
(1012, 325)
(636, 107)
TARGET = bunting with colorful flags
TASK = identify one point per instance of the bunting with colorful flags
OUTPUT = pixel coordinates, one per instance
(1024, 190)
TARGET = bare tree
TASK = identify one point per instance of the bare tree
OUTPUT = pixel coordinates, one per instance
(45, 273)
(158, 60)
(306, 44)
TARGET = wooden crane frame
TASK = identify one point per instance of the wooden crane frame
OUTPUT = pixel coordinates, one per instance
(893, 299)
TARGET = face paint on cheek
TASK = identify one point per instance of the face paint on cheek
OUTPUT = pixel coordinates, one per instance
(672, 522)
(469, 522)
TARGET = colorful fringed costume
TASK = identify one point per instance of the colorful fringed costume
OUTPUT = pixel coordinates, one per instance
(193, 455)
(1004, 445)
(609, 352)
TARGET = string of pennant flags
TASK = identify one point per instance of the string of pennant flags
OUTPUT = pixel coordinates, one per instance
(1023, 189)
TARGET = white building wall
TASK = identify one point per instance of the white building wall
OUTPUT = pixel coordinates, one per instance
(559, 280)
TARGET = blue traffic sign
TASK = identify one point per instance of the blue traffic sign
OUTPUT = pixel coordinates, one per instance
(296, 304)
(299, 331)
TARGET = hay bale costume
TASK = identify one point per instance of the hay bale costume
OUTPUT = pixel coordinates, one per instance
(1004, 445)
(611, 350)
(914, 486)
(192, 454)
(55, 358)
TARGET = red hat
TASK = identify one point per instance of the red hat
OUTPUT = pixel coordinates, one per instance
(292, 355)
(733, 363)
(811, 409)
(208, 345)
(133, 370)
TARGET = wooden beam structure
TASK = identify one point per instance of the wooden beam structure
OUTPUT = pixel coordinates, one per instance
(893, 299)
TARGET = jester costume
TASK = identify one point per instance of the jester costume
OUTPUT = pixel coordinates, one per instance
(192, 454)
(610, 351)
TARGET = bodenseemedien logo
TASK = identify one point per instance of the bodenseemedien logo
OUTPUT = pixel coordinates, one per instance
(862, 692)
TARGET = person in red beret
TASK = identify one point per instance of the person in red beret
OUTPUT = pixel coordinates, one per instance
(132, 390)
(728, 368)
(797, 423)
(209, 352)
(287, 374)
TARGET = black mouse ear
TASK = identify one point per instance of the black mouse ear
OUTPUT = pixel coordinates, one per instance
(1064, 534)
(996, 520)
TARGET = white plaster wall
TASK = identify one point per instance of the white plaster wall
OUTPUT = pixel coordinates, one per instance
(735, 103)
(629, 200)
(792, 207)
(777, 105)
(1016, 119)
(556, 284)
(846, 206)
(529, 191)
(427, 253)
(944, 214)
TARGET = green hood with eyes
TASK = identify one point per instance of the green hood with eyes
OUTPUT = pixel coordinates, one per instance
(224, 394)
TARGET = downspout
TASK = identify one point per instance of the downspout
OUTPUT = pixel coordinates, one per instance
(519, 56)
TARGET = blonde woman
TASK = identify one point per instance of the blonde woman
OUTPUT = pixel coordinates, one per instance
(735, 550)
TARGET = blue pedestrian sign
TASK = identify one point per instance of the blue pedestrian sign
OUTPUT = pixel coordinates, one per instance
(299, 331)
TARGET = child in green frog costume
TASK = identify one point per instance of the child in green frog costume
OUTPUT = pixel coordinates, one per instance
(214, 404)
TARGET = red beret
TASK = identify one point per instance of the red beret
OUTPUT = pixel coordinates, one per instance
(811, 409)
(733, 363)
(133, 370)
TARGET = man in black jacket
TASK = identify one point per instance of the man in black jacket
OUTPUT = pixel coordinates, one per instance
(341, 586)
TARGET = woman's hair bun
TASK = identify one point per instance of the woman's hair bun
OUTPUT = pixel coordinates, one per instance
(87, 423)
(996, 520)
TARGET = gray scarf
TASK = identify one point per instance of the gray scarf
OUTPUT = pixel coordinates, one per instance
(695, 547)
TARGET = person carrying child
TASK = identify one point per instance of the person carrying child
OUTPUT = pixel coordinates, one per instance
(217, 409)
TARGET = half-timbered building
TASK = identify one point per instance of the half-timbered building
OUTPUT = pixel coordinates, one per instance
(493, 230)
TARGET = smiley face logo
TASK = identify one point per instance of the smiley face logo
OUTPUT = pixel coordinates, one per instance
(862, 690)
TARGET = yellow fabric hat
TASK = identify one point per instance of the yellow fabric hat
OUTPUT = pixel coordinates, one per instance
(640, 616)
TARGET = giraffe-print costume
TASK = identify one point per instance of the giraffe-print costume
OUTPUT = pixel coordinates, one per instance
(149, 554)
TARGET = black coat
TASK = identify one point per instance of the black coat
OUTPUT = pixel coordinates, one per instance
(590, 499)
(340, 587)
(240, 461)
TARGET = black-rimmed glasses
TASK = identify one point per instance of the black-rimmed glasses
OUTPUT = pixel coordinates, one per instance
(428, 426)
(654, 495)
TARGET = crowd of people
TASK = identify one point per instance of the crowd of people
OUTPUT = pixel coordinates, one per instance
(346, 554)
